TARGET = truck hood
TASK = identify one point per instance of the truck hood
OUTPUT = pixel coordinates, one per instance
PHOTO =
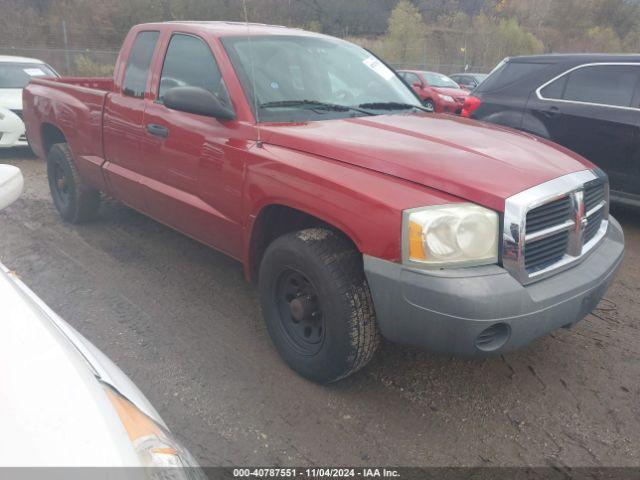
(477, 162)
(11, 98)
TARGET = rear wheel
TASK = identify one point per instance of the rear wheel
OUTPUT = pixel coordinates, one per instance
(75, 201)
(317, 304)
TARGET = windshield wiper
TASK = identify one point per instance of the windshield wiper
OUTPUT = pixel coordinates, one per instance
(393, 106)
(315, 104)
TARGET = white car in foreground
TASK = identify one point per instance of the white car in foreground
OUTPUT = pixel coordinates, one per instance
(12, 131)
(63, 403)
(15, 73)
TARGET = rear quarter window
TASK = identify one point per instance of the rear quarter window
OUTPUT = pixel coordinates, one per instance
(612, 85)
(606, 85)
(137, 71)
(508, 73)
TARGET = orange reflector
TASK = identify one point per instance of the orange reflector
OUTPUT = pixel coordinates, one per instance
(136, 423)
(416, 245)
(164, 450)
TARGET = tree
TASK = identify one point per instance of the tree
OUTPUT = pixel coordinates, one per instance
(405, 39)
(513, 40)
(444, 34)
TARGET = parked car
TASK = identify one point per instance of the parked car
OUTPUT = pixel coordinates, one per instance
(12, 130)
(587, 103)
(63, 403)
(437, 92)
(15, 73)
(355, 211)
(468, 81)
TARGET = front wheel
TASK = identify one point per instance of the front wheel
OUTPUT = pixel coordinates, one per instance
(317, 304)
(429, 105)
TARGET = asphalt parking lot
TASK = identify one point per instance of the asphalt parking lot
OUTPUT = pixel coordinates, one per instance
(180, 320)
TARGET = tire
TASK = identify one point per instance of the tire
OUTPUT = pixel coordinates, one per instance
(74, 200)
(430, 105)
(317, 305)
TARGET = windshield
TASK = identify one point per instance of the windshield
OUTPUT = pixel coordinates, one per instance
(439, 80)
(310, 78)
(17, 75)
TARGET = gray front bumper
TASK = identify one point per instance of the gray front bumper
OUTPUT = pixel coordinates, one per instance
(450, 311)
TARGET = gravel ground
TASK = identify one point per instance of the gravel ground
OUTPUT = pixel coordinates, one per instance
(179, 319)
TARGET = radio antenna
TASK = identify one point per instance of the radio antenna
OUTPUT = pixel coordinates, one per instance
(256, 107)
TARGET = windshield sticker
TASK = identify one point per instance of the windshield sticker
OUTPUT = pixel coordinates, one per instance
(34, 72)
(379, 67)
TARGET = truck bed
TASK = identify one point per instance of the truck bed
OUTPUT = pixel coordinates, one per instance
(104, 84)
(75, 107)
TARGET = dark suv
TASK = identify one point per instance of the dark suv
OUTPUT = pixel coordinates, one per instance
(587, 103)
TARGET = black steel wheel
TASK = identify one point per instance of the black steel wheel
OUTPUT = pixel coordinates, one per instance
(75, 201)
(61, 180)
(317, 304)
(300, 312)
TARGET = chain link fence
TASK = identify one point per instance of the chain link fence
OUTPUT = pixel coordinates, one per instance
(445, 68)
(91, 62)
(69, 52)
(71, 61)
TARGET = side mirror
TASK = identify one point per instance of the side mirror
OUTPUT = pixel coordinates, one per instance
(11, 185)
(416, 85)
(198, 101)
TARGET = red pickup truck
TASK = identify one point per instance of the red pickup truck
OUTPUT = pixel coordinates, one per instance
(357, 212)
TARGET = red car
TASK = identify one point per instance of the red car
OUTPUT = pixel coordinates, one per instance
(437, 91)
(357, 213)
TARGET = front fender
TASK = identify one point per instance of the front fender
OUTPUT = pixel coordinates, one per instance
(364, 204)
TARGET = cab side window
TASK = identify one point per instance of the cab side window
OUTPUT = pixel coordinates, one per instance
(190, 63)
(137, 71)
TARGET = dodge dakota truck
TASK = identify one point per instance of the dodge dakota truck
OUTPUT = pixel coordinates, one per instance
(358, 214)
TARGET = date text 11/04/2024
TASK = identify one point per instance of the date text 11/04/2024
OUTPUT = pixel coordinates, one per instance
(316, 473)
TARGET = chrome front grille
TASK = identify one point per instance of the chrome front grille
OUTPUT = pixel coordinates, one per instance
(547, 244)
(594, 194)
(548, 215)
(594, 226)
(545, 252)
(552, 226)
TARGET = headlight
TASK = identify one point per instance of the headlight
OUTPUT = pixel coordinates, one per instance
(155, 446)
(447, 98)
(458, 235)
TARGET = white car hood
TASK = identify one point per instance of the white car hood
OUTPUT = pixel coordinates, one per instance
(53, 409)
(11, 98)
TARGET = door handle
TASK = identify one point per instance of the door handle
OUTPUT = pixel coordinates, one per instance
(551, 112)
(158, 130)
